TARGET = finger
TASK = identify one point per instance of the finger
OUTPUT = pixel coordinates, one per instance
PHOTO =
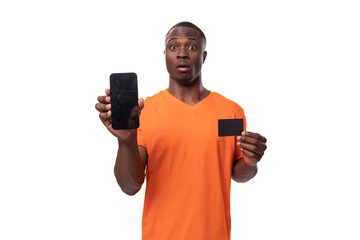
(254, 135)
(253, 141)
(141, 103)
(107, 92)
(104, 116)
(251, 155)
(104, 99)
(252, 148)
(101, 107)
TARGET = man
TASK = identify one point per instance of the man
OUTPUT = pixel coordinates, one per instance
(188, 166)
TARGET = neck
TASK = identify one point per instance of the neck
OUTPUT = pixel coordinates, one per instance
(189, 94)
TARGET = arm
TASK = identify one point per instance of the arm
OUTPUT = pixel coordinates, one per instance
(253, 146)
(131, 159)
(130, 165)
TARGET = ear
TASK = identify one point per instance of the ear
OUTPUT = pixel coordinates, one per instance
(204, 56)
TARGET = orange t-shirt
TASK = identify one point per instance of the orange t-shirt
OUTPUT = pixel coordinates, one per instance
(188, 174)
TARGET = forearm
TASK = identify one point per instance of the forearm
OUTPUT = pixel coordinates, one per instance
(129, 168)
(242, 172)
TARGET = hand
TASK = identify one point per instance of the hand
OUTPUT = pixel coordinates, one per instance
(104, 108)
(253, 146)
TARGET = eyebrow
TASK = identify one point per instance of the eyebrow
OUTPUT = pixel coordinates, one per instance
(175, 38)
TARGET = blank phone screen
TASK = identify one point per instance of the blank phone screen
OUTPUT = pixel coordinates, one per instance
(124, 101)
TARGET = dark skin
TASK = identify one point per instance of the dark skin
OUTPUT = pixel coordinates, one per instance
(184, 54)
(131, 159)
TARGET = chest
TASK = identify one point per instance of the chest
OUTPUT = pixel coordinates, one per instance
(185, 128)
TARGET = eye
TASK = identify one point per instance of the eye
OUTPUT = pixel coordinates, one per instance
(173, 47)
(192, 47)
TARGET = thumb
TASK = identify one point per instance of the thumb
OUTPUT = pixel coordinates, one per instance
(141, 103)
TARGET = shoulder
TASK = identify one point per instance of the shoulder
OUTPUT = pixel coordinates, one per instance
(225, 102)
(155, 99)
(155, 103)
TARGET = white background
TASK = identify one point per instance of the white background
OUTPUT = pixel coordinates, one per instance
(292, 65)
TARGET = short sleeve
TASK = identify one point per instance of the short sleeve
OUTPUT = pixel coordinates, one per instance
(140, 137)
(238, 153)
(140, 130)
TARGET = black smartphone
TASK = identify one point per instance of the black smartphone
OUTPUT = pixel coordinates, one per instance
(230, 127)
(125, 110)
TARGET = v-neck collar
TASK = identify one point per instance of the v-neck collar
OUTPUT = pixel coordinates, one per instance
(179, 102)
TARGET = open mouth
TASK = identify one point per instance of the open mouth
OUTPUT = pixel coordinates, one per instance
(183, 67)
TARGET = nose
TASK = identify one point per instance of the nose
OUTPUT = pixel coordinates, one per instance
(182, 54)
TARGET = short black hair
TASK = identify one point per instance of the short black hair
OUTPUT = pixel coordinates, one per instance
(190, 25)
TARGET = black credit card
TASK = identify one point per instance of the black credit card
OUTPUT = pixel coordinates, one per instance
(230, 127)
